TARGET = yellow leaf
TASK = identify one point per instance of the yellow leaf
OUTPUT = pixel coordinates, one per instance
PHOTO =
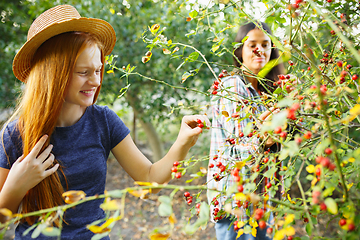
(110, 71)
(143, 183)
(240, 196)
(203, 170)
(279, 235)
(112, 11)
(215, 48)
(139, 193)
(224, 1)
(240, 164)
(289, 218)
(111, 205)
(253, 231)
(73, 196)
(355, 110)
(159, 236)
(289, 231)
(288, 196)
(154, 28)
(6, 212)
(240, 232)
(225, 113)
(172, 219)
(240, 224)
(166, 51)
(310, 169)
(351, 159)
(104, 227)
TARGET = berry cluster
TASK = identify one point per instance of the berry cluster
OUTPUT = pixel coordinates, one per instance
(188, 198)
(175, 169)
(256, 52)
(216, 210)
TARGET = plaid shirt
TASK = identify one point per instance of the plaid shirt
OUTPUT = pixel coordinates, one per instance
(225, 127)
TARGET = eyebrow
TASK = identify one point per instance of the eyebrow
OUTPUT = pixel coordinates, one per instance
(86, 66)
(256, 41)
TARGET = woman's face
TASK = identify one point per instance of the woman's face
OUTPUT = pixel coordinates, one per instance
(86, 78)
(255, 62)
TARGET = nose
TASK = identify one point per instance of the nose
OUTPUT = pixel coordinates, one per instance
(94, 79)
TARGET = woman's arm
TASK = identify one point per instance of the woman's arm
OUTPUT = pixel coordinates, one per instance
(141, 169)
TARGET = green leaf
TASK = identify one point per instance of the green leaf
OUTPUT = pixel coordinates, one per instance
(286, 102)
(115, 193)
(193, 14)
(308, 228)
(51, 232)
(193, 57)
(100, 236)
(165, 208)
(38, 230)
(270, 172)
(331, 206)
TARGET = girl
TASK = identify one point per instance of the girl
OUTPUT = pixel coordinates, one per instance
(249, 59)
(58, 139)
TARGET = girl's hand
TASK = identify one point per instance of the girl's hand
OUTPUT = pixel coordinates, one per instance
(191, 127)
(27, 172)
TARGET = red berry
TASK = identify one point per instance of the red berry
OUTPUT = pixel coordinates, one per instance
(325, 162)
(214, 92)
(328, 151)
(174, 169)
(262, 224)
(351, 227)
(323, 206)
(211, 165)
(277, 130)
(216, 82)
(198, 121)
(269, 230)
(332, 167)
(186, 194)
(221, 75)
(250, 134)
(268, 185)
(175, 164)
(342, 222)
(266, 159)
(241, 134)
(200, 125)
(283, 135)
(307, 135)
(290, 238)
(259, 212)
(281, 77)
(306, 220)
(240, 188)
(318, 171)
(332, 31)
(355, 77)
(198, 205)
(339, 63)
(216, 202)
(178, 175)
(189, 201)
(298, 141)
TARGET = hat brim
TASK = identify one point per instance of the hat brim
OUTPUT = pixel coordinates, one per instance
(100, 28)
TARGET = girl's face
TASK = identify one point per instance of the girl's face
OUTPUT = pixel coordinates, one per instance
(86, 78)
(255, 62)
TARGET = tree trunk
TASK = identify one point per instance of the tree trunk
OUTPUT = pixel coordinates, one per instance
(153, 139)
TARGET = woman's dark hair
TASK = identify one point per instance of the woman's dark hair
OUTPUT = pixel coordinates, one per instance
(272, 76)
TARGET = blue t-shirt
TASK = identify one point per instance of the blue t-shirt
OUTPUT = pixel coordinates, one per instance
(83, 150)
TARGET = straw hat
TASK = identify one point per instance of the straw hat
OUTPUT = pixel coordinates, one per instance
(57, 20)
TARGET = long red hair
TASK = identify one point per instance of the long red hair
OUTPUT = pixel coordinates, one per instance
(39, 109)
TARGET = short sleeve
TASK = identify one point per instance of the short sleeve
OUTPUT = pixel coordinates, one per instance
(11, 145)
(118, 129)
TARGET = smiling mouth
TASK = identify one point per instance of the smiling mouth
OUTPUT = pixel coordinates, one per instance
(87, 92)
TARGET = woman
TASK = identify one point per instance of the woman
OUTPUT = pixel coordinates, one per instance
(228, 145)
(58, 139)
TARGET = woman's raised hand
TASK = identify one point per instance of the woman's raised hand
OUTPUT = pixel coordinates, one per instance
(28, 171)
(191, 127)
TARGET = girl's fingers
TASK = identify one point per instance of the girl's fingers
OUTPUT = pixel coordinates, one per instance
(45, 154)
(38, 146)
(51, 170)
(47, 163)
